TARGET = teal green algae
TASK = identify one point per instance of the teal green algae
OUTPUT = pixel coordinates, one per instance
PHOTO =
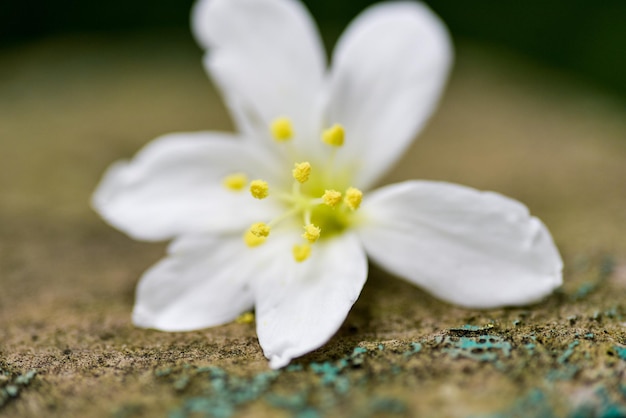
(568, 352)
(482, 348)
(225, 393)
(312, 389)
(605, 269)
(539, 356)
(534, 404)
(621, 352)
(543, 403)
(602, 405)
(415, 348)
(12, 384)
(568, 370)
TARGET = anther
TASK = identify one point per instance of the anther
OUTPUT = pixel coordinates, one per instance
(353, 198)
(259, 189)
(311, 233)
(301, 252)
(236, 181)
(245, 318)
(301, 171)
(260, 230)
(331, 198)
(252, 240)
(334, 135)
(282, 129)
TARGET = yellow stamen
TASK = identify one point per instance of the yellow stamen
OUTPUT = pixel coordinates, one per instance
(282, 129)
(353, 198)
(334, 135)
(252, 240)
(259, 189)
(301, 171)
(260, 229)
(236, 181)
(245, 318)
(301, 252)
(331, 198)
(311, 233)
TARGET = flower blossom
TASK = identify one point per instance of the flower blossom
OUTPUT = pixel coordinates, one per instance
(280, 216)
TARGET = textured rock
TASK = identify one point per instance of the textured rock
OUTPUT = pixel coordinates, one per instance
(69, 108)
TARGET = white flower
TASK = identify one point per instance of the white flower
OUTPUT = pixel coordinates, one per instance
(311, 143)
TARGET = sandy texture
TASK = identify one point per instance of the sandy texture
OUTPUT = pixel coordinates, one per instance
(68, 108)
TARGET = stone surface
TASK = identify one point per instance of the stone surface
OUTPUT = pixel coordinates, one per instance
(70, 107)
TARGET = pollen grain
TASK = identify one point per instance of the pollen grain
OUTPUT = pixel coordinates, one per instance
(331, 198)
(353, 198)
(301, 252)
(252, 240)
(282, 129)
(259, 189)
(260, 230)
(334, 135)
(236, 182)
(311, 233)
(301, 172)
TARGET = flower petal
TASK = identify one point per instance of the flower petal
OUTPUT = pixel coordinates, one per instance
(389, 69)
(300, 309)
(202, 282)
(266, 57)
(174, 186)
(472, 248)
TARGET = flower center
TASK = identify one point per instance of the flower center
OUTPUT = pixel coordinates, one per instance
(313, 199)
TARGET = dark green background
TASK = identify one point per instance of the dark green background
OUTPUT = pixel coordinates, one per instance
(585, 38)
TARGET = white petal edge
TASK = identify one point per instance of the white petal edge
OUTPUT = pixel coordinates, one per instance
(203, 282)
(173, 186)
(266, 57)
(300, 309)
(388, 72)
(475, 249)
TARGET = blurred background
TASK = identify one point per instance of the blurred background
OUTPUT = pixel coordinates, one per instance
(534, 109)
(586, 39)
